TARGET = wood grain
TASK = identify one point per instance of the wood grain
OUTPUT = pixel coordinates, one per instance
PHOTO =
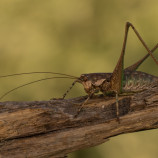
(49, 128)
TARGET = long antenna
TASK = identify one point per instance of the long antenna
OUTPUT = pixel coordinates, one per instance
(43, 79)
(27, 73)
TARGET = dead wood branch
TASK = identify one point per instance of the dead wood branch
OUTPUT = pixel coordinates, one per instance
(49, 129)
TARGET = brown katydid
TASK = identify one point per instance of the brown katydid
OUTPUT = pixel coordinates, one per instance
(121, 80)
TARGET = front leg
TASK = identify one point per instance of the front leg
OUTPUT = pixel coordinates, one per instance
(81, 105)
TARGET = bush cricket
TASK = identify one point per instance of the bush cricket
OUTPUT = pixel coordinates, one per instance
(119, 81)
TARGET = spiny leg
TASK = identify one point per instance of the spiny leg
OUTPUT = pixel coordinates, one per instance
(81, 105)
(118, 73)
(117, 76)
(142, 41)
(65, 92)
(136, 65)
(68, 90)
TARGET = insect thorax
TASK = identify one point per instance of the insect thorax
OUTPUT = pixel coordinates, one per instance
(93, 82)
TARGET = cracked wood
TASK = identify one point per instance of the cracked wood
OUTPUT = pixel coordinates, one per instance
(49, 129)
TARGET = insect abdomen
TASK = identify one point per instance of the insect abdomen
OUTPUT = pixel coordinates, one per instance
(137, 81)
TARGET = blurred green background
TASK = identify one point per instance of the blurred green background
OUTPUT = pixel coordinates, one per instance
(75, 37)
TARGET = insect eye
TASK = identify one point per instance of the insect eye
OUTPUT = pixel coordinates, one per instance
(83, 78)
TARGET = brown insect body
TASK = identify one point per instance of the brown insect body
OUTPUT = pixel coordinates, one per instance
(101, 82)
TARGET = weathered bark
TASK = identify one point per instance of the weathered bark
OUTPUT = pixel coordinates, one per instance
(49, 129)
